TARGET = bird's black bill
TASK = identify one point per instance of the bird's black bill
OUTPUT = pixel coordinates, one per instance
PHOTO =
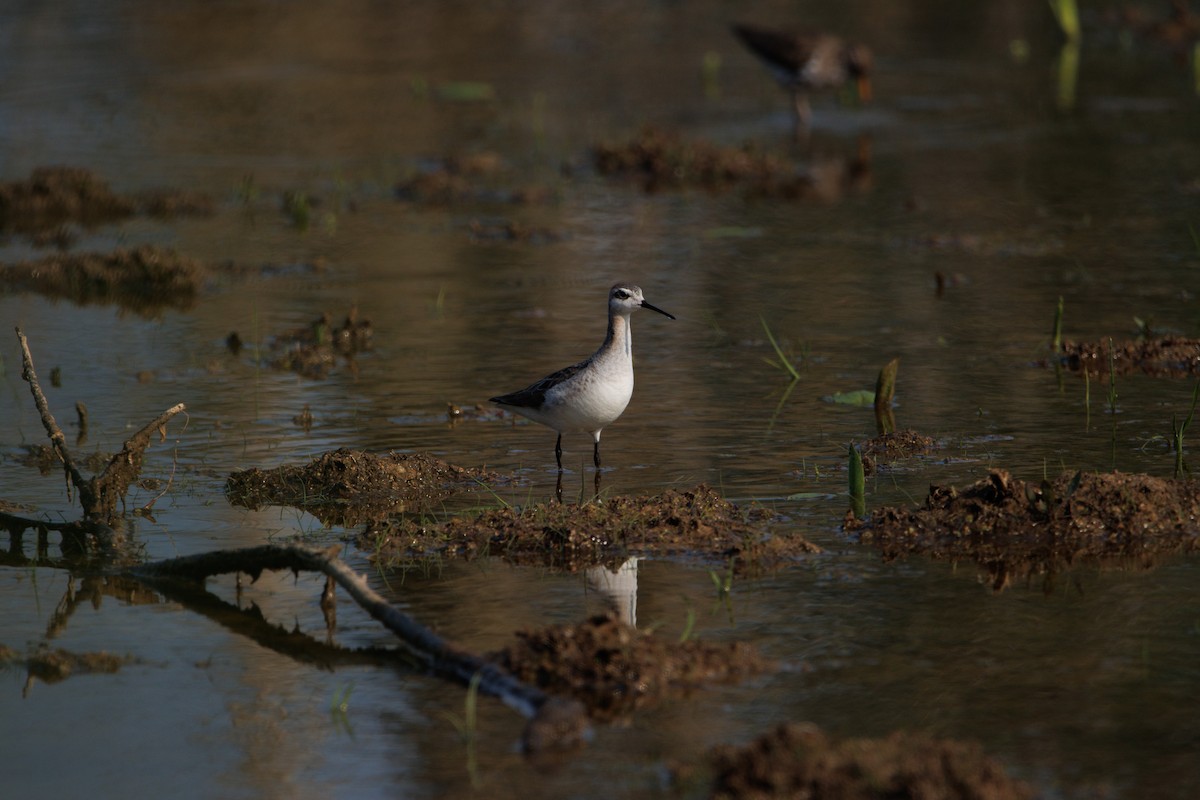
(656, 308)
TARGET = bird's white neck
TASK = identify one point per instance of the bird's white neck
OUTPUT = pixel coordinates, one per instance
(619, 338)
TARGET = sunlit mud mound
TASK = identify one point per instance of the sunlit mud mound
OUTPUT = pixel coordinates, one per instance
(658, 159)
(615, 669)
(691, 523)
(795, 760)
(53, 196)
(1165, 356)
(147, 280)
(350, 487)
(1014, 529)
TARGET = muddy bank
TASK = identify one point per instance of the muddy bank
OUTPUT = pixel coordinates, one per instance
(802, 761)
(615, 669)
(1016, 529)
(695, 523)
(52, 197)
(1166, 356)
(350, 487)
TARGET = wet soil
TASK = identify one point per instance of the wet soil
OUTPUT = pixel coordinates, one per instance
(658, 159)
(1166, 356)
(146, 280)
(350, 487)
(694, 523)
(316, 349)
(1015, 529)
(51, 197)
(802, 761)
(615, 669)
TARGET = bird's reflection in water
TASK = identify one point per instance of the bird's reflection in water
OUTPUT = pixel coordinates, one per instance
(618, 588)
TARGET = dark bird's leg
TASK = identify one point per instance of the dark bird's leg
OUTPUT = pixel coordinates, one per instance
(596, 454)
(803, 114)
(558, 452)
(558, 488)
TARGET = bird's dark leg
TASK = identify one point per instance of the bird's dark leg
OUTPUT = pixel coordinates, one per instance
(558, 488)
(803, 114)
(596, 454)
(558, 452)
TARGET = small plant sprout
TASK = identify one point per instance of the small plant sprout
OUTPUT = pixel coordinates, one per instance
(723, 583)
(1056, 334)
(339, 707)
(1067, 15)
(689, 626)
(784, 362)
(468, 725)
(1178, 430)
(858, 483)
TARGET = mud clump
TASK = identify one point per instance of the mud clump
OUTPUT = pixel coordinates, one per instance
(314, 350)
(54, 665)
(53, 196)
(800, 760)
(615, 669)
(695, 522)
(471, 179)
(888, 448)
(349, 487)
(660, 160)
(1166, 356)
(146, 280)
(1013, 528)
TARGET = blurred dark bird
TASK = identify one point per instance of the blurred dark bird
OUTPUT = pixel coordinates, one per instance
(808, 62)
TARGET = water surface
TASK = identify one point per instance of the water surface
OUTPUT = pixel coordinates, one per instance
(1083, 685)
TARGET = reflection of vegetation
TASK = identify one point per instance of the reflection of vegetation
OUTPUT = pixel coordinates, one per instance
(885, 390)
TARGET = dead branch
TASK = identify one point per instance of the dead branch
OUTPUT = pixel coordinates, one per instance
(57, 440)
(554, 722)
(100, 494)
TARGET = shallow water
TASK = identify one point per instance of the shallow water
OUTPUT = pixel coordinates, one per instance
(1084, 686)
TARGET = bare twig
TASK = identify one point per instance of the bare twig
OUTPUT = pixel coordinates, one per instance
(98, 495)
(553, 722)
(57, 440)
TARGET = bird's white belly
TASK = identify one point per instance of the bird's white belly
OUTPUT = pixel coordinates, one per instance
(590, 404)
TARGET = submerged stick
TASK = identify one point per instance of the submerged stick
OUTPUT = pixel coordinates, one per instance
(553, 722)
